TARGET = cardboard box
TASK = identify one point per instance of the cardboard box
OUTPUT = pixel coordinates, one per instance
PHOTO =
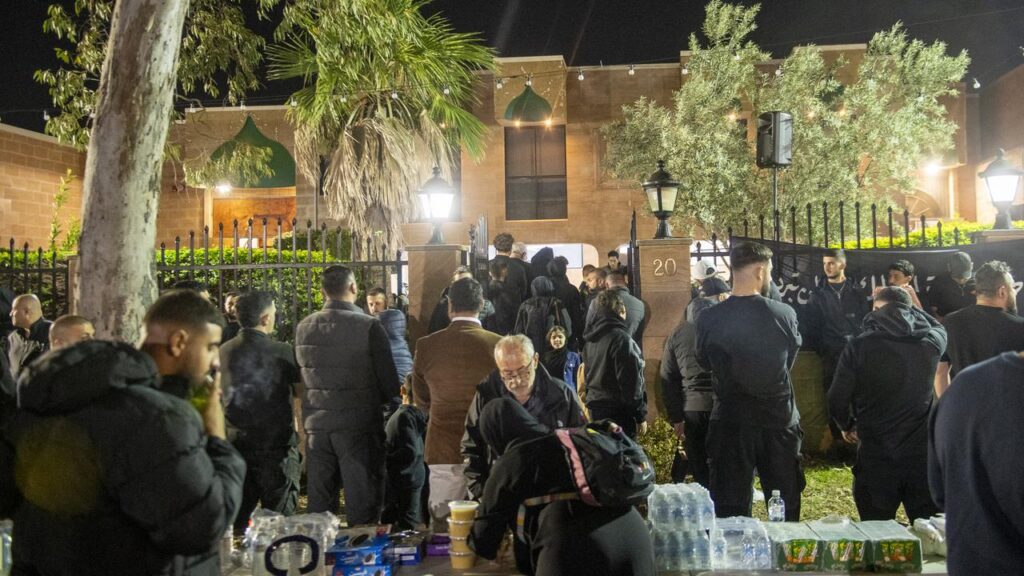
(893, 548)
(357, 551)
(795, 546)
(438, 545)
(844, 547)
(405, 551)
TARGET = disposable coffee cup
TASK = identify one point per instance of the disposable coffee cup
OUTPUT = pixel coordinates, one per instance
(459, 528)
(463, 510)
(462, 560)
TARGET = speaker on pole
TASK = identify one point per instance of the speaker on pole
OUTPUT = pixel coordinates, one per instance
(774, 139)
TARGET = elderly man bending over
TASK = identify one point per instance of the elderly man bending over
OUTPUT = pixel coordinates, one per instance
(519, 376)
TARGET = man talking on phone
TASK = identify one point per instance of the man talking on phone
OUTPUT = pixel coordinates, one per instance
(108, 469)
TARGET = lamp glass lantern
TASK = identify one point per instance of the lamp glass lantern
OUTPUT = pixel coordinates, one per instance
(661, 192)
(436, 199)
(1002, 180)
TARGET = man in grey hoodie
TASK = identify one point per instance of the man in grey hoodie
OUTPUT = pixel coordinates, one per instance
(881, 397)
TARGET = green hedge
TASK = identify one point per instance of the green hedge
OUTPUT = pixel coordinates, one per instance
(931, 236)
(660, 444)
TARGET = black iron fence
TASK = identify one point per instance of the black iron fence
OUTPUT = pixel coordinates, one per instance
(288, 263)
(44, 273)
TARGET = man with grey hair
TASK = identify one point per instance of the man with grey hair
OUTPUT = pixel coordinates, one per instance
(519, 376)
(31, 336)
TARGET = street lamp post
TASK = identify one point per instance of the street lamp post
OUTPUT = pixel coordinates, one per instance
(1002, 179)
(436, 197)
(661, 192)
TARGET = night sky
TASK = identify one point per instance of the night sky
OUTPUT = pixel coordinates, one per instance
(589, 32)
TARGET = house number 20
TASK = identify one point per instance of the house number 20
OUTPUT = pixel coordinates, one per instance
(666, 267)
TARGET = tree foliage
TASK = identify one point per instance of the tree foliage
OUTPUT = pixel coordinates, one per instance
(352, 57)
(384, 98)
(862, 141)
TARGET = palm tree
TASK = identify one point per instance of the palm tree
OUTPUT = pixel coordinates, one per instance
(384, 99)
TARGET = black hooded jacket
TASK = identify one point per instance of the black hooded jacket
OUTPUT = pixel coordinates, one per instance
(685, 386)
(565, 538)
(883, 383)
(540, 313)
(553, 404)
(573, 301)
(114, 475)
(539, 263)
(613, 367)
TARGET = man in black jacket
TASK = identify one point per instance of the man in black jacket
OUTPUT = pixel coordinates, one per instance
(118, 473)
(613, 367)
(636, 315)
(519, 376)
(31, 335)
(261, 380)
(349, 375)
(749, 343)
(439, 319)
(516, 277)
(974, 464)
(834, 315)
(880, 399)
(686, 387)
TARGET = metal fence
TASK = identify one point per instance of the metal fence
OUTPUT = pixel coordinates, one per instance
(38, 272)
(288, 263)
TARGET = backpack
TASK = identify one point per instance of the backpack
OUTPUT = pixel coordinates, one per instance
(546, 314)
(608, 469)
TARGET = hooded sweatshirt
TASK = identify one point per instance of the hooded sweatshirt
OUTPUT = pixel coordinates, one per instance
(540, 313)
(883, 383)
(539, 262)
(116, 476)
(686, 387)
(613, 367)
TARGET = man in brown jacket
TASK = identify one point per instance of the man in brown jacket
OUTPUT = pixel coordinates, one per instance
(445, 372)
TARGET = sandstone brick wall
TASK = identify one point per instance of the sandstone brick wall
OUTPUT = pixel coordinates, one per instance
(31, 166)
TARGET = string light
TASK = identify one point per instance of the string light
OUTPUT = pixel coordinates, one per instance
(500, 83)
(632, 70)
(46, 115)
(778, 71)
(191, 109)
(580, 75)
(242, 104)
(736, 57)
(394, 94)
(529, 80)
(976, 84)
(685, 70)
(447, 91)
(547, 122)
(292, 102)
(731, 116)
(344, 98)
(842, 111)
(810, 114)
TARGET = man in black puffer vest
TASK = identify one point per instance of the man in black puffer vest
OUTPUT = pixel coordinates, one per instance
(107, 469)
(349, 374)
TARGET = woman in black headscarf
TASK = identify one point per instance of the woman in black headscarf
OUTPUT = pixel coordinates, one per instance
(565, 537)
(540, 313)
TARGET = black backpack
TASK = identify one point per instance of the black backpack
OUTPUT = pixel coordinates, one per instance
(608, 467)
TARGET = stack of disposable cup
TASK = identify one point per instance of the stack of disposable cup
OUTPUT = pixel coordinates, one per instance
(459, 525)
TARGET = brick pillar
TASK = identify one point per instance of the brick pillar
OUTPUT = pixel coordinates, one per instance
(665, 286)
(430, 271)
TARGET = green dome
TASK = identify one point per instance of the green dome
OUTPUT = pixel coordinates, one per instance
(528, 107)
(281, 161)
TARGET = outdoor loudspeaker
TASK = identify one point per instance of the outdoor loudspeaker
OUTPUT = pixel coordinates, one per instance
(774, 139)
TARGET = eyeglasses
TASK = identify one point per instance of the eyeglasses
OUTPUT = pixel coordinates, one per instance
(520, 373)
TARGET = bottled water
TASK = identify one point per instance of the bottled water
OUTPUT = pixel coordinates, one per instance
(747, 545)
(719, 550)
(776, 508)
(763, 553)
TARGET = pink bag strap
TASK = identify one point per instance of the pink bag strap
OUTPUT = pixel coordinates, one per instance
(577, 467)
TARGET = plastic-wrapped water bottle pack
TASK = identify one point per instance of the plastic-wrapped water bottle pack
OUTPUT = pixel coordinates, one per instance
(681, 516)
(740, 543)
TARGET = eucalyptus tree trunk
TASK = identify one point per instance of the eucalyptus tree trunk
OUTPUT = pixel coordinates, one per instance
(125, 158)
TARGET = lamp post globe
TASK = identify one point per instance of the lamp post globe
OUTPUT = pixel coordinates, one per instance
(436, 197)
(1002, 180)
(661, 192)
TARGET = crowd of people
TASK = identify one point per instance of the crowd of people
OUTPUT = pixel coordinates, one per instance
(145, 457)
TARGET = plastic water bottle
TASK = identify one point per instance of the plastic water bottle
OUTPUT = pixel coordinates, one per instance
(719, 550)
(763, 553)
(749, 554)
(6, 526)
(776, 508)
